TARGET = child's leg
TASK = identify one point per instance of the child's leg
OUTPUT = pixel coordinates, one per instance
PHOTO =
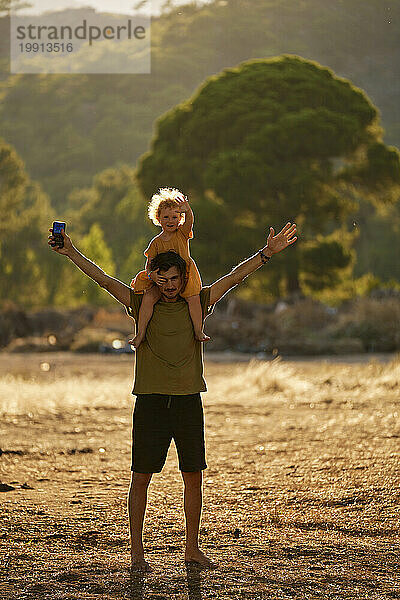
(197, 317)
(150, 297)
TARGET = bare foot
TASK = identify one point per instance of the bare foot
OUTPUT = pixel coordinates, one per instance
(202, 337)
(139, 564)
(199, 558)
(136, 341)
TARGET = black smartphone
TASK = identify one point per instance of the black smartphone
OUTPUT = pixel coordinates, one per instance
(58, 238)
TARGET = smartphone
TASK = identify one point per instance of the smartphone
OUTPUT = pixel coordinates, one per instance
(58, 238)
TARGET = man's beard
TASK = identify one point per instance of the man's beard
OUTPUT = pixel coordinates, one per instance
(171, 294)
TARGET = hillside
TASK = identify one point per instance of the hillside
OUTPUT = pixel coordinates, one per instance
(97, 121)
(70, 128)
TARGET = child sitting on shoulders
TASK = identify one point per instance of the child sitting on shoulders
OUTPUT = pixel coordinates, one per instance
(170, 210)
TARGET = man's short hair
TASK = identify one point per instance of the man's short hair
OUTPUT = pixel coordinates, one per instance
(166, 260)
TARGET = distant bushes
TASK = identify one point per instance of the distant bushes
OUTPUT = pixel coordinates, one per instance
(376, 323)
(306, 326)
(44, 330)
(294, 326)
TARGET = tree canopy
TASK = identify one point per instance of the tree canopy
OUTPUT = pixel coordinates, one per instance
(24, 218)
(101, 121)
(267, 142)
(74, 132)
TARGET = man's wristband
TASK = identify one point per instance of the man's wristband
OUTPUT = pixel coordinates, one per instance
(264, 257)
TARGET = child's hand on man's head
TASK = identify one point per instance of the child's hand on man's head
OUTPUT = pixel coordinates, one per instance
(156, 278)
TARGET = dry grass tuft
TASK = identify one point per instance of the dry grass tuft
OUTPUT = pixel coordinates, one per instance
(19, 396)
(258, 380)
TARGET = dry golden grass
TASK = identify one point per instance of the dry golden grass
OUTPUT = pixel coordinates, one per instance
(301, 495)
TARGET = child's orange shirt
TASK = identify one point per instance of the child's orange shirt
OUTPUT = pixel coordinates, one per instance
(178, 242)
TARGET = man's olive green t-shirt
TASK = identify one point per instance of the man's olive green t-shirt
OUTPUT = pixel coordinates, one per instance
(170, 359)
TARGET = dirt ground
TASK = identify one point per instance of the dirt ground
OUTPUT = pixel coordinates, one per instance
(301, 493)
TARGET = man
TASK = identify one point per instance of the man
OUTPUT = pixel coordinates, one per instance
(168, 382)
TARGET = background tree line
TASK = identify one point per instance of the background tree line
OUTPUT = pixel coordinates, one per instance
(80, 138)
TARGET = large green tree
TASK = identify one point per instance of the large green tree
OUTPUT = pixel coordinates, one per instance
(270, 141)
(27, 274)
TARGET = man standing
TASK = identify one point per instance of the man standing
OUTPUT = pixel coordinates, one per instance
(168, 381)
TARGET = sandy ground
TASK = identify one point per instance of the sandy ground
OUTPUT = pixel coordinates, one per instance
(301, 493)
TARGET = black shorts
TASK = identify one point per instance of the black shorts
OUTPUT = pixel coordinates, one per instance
(158, 418)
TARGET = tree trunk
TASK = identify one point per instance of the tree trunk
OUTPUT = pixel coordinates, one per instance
(292, 276)
(292, 283)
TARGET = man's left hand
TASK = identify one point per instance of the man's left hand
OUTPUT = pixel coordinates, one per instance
(280, 241)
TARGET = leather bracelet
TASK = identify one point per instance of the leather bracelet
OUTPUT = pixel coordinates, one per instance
(264, 257)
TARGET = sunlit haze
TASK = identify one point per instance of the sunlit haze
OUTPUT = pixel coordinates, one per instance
(122, 6)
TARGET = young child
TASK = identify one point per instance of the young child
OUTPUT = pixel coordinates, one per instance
(171, 211)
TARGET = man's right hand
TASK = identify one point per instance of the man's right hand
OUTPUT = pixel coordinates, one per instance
(116, 288)
(156, 278)
(67, 243)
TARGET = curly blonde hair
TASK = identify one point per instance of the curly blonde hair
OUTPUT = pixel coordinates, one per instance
(165, 198)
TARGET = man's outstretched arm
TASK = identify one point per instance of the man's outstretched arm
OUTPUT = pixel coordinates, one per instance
(275, 244)
(116, 288)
